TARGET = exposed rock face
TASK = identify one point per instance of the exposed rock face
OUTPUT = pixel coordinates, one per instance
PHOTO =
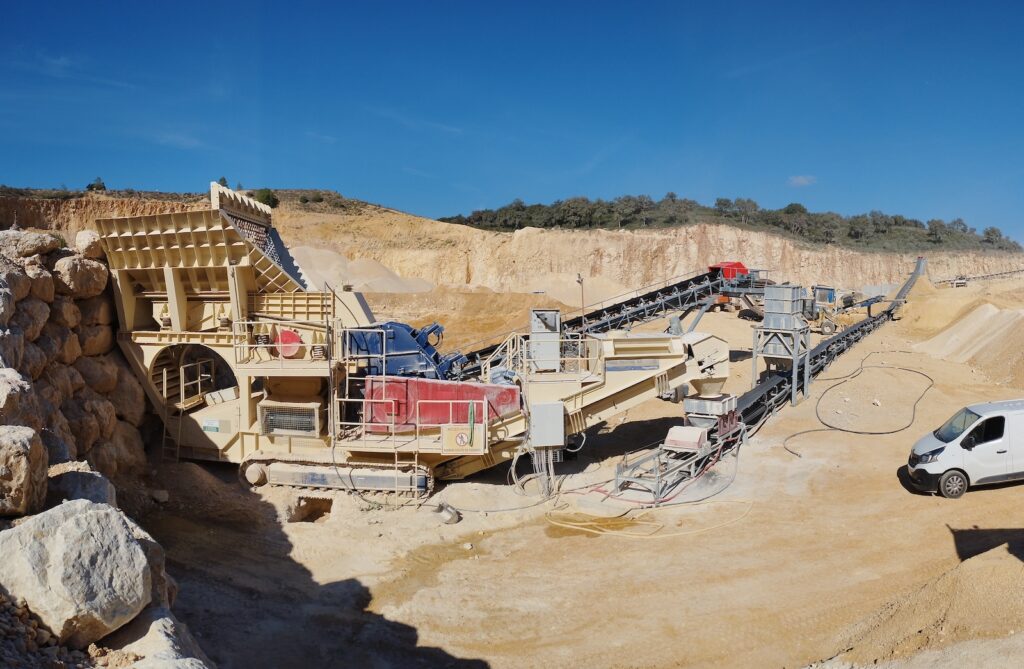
(80, 277)
(79, 568)
(23, 463)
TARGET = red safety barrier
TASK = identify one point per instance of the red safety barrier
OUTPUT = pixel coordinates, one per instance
(446, 402)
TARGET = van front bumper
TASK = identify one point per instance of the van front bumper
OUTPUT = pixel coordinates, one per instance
(923, 480)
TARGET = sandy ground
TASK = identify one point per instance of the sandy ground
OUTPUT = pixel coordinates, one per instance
(815, 554)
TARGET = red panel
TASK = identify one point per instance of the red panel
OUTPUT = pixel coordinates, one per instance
(730, 269)
(410, 392)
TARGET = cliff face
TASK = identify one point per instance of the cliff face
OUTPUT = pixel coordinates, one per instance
(70, 216)
(612, 262)
(385, 250)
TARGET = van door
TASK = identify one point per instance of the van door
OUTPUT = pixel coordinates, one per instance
(987, 451)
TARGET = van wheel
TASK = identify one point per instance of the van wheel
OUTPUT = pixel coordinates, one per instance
(953, 484)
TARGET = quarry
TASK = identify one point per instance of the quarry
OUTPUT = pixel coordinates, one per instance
(239, 436)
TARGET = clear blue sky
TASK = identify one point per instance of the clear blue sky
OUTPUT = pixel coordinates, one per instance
(443, 107)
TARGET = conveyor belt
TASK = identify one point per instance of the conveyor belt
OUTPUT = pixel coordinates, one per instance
(774, 391)
(680, 296)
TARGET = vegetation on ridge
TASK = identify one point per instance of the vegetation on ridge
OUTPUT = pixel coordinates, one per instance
(873, 230)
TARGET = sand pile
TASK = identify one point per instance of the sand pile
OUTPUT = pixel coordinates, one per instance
(988, 338)
(979, 598)
(324, 266)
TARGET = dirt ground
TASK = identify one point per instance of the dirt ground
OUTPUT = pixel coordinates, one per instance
(819, 553)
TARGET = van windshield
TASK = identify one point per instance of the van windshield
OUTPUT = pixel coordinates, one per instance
(956, 425)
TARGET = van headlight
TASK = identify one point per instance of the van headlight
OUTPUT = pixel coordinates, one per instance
(931, 456)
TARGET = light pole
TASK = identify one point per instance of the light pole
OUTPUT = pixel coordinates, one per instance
(583, 304)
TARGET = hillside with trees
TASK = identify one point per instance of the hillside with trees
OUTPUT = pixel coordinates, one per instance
(873, 230)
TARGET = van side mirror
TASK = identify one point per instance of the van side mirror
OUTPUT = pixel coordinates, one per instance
(968, 443)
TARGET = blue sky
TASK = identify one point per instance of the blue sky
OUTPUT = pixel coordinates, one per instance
(443, 107)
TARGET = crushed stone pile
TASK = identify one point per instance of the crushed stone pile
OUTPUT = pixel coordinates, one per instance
(979, 598)
(988, 338)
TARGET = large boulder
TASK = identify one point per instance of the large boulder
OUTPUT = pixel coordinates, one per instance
(23, 462)
(79, 568)
(162, 640)
(97, 310)
(100, 373)
(19, 404)
(128, 398)
(13, 276)
(79, 277)
(65, 380)
(64, 312)
(96, 339)
(7, 303)
(120, 455)
(75, 480)
(84, 425)
(31, 315)
(12, 346)
(22, 244)
(33, 361)
(60, 344)
(42, 281)
(88, 244)
(60, 447)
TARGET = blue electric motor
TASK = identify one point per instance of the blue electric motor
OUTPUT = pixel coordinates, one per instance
(409, 352)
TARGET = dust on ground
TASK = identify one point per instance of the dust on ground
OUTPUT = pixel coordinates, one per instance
(817, 553)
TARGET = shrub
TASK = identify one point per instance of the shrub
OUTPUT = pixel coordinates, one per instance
(267, 197)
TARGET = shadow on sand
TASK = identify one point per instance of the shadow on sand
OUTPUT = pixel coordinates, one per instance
(250, 604)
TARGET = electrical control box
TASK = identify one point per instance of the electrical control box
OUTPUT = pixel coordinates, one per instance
(547, 425)
(545, 340)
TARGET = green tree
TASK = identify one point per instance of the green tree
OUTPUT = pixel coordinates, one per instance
(993, 236)
(267, 197)
(937, 231)
(223, 181)
(746, 208)
(96, 185)
(723, 205)
(794, 208)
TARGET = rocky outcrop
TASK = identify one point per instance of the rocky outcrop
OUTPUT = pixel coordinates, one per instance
(80, 569)
(23, 465)
(68, 399)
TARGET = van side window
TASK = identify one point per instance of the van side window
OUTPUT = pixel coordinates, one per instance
(990, 430)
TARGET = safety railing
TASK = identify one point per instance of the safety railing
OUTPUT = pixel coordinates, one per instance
(476, 413)
(280, 344)
(191, 381)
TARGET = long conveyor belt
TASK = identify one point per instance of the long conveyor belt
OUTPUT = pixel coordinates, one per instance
(677, 296)
(774, 391)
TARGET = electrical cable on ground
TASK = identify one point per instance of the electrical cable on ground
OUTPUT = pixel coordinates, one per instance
(828, 427)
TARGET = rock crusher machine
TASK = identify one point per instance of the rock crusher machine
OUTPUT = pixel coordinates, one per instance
(245, 363)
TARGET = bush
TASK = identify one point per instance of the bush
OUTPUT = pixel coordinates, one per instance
(303, 199)
(267, 197)
(317, 197)
(96, 185)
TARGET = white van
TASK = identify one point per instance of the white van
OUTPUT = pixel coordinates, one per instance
(980, 444)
